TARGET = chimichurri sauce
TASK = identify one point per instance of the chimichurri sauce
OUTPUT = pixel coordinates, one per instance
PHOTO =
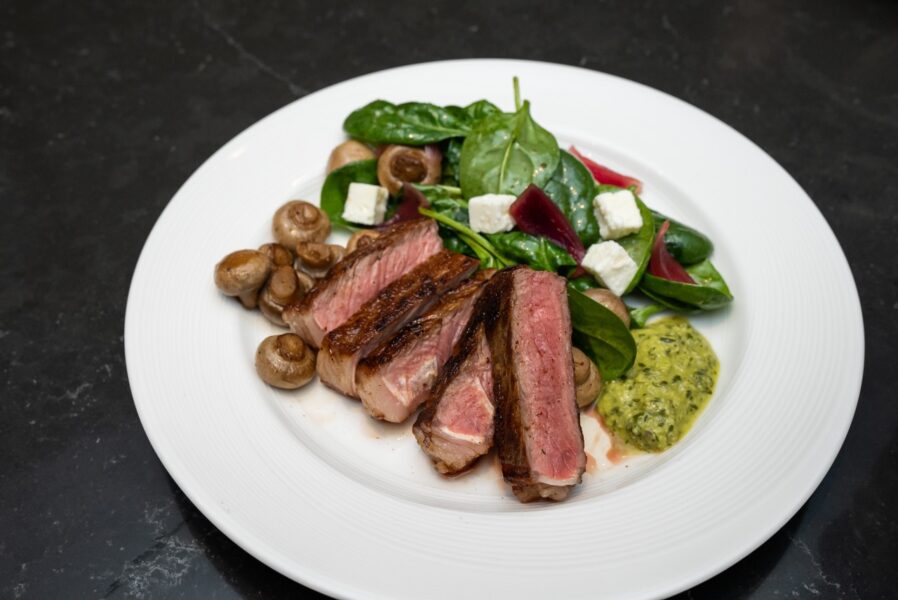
(655, 403)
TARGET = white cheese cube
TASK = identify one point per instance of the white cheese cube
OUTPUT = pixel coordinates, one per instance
(489, 213)
(617, 214)
(610, 264)
(366, 204)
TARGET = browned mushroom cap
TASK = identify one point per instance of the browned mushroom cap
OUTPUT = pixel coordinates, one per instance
(407, 164)
(361, 238)
(284, 361)
(279, 255)
(298, 221)
(587, 379)
(348, 152)
(317, 259)
(284, 287)
(611, 301)
(242, 274)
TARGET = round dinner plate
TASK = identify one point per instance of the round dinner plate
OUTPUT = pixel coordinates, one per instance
(310, 485)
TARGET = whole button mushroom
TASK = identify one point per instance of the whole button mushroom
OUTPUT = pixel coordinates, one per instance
(298, 221)
(408, 164)
(242, 274)
(587, 379)
(284, 361)
(361, 238)
(348, 152)
(284, 287)
(611, 301)
(317, 259)
(279, 255)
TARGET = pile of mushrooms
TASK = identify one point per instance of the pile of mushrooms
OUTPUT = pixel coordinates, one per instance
(276, 275)
(280, 273)
(587, 377)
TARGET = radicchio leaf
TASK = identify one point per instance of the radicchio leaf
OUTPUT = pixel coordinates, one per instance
(535, 213)
(608, 176)
(662, 264)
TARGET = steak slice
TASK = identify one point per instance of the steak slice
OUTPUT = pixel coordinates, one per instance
(360, 276)
(538, 432)
(456, 426)
(382, 316)
(394, 379)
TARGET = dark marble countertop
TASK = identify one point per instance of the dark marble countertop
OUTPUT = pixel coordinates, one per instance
(106, 109)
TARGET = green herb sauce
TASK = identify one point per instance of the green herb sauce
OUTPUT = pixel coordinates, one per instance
(655, 403)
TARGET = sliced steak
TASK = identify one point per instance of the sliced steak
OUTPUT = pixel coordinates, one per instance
(455, 428)
(360, 276)
(382, 316)
(538, 432)
(393, 380)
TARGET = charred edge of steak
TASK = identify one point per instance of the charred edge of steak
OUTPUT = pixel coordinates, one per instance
(510, 436)
(377, 246)
(422, 326)
(431, 277)
(483, 313)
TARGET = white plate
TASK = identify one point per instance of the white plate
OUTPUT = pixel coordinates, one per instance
(311, 486)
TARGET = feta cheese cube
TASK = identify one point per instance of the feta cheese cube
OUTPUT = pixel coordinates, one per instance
(610, 264)
(617, 214)
(366, 204)
(489, 213)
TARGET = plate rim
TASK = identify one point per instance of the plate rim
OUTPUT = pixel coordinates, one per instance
(264, 552)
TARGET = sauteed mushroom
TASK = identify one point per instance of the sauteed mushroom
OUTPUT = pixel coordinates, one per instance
(284, 287)
(316, 259)
(279, 255)
(242, 274)
(360, 239)
(611, 301)
(284, 361)
(587, 379)
(407, 164)
(298, 221)
(347, 152)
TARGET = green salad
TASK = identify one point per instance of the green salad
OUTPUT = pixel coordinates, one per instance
(503, 190)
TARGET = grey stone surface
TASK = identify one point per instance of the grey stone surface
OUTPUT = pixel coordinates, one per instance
(106, 108)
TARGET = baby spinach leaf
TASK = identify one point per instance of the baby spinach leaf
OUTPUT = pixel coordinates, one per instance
(454, 208)
(451, 158)
(413, 123)
(336, 186)
(709, 291)
(687, 245)
(536, 251)
(572, 188)
(451, 241)
(641, 314)
(638, 245)
(586, 282)
(601, 335)
(480, 109)
(506, 152)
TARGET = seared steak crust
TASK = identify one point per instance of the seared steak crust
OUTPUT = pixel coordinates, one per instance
(359, 276)
(385, 314)
(395, 378)
(454, 444)
(538, 432)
